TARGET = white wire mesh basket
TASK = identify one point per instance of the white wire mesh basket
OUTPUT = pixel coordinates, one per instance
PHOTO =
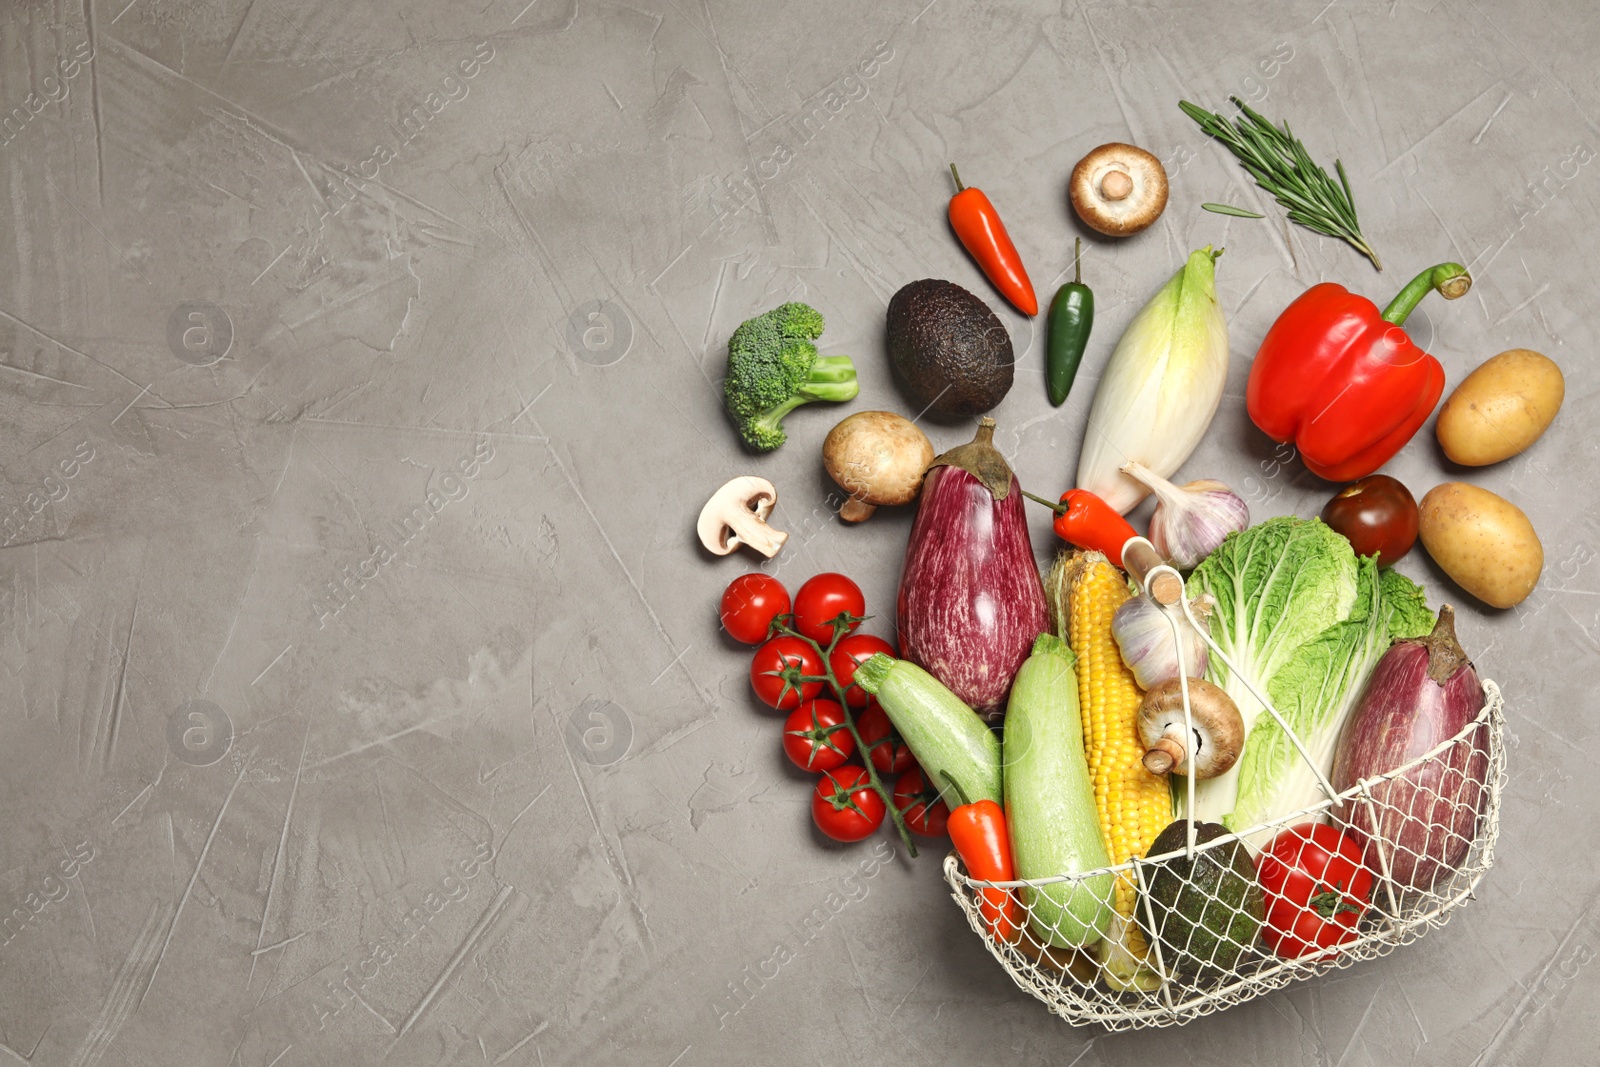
(1071, 983)
(1201, 939)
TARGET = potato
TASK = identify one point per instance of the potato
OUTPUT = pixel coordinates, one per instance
(1483, 542)
(1501, 408)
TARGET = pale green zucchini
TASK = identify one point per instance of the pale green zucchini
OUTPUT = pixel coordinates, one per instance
(1049, 800)
(943, 733)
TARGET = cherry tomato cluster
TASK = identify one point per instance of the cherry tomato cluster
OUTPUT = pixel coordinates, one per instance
(806, 665)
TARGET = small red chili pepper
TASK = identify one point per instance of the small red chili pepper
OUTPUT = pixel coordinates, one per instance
(1345, 383)
(1083, 519)
(978, 832)
(984, 236)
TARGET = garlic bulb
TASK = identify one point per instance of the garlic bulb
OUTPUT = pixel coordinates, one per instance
(1190, 520)
(1144, 636)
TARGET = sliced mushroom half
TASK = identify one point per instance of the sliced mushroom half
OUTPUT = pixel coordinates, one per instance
(737, 514)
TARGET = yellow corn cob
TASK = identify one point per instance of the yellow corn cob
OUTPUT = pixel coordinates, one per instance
(1134, 805)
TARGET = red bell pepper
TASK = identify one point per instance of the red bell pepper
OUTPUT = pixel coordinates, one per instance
(1344, 382)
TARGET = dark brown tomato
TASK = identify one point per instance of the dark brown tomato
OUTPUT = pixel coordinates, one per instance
(1378, 515)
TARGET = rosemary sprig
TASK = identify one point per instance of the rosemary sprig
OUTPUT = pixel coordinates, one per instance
(1236, 212)
(1280, 165)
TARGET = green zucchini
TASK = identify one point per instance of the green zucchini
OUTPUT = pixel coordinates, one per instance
(945, 735)
(1050, 809)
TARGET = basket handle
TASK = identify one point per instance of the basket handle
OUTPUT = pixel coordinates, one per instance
(1245, 680)
(1161, 582)
(1145, 565)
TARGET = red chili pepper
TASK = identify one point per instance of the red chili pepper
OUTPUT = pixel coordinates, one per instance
(1345, 383)
(978, 832)
(984, 236)
(1085, 520)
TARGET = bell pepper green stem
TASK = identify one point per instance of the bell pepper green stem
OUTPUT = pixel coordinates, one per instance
(1450, 280)
(956, 175)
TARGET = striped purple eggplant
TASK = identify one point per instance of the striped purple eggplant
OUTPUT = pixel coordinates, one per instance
(971, 602)
(1423, 692)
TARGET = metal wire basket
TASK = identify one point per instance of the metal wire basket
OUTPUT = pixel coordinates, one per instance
(1429, 829)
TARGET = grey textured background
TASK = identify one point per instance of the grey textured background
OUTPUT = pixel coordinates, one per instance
(383, 431)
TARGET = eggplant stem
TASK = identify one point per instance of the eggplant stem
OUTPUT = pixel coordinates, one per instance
(979, 458)
(1445, 654)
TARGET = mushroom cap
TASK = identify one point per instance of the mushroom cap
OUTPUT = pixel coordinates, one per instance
(1217, 722)
(1095, 198)
(877, 457)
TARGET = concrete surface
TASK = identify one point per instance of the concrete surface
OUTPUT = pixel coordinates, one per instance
(360, 385)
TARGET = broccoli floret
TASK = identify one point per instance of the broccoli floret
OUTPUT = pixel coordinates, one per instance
(798, 320)
(773, 368)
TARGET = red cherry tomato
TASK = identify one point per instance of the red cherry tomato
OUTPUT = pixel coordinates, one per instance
(889, 754)
(845, 806)
(749, 605)
(815, 736)
(1378, 515)
(848, 654)
(821, 600)
(1316, 887)
(776, 669)
(921, 807)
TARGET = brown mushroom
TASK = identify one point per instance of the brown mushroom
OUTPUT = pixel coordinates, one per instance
(1218, 729)
(877, 457)
(737, 514)
(1118, 189)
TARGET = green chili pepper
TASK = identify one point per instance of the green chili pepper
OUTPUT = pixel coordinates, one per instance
(1071, 319)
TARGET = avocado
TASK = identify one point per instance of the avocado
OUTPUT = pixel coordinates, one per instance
(1208, 911)
(949, 349)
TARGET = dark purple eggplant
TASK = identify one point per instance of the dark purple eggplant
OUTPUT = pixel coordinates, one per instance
(1423, 692)
(971, 602)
